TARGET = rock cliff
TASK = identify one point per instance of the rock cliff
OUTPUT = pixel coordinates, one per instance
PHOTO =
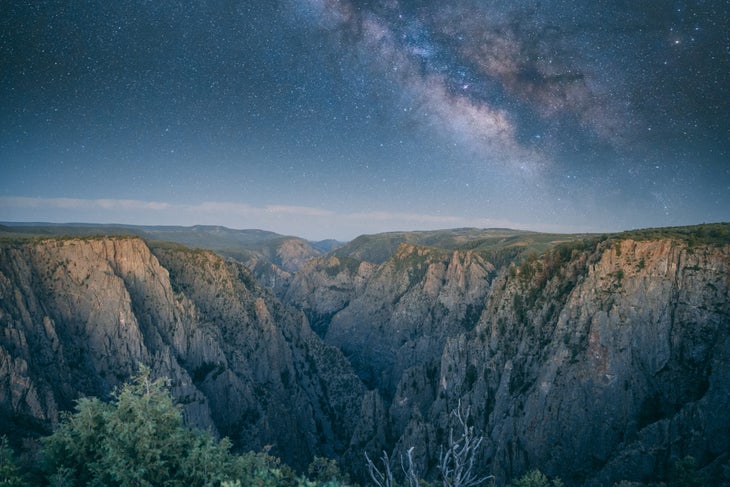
(600, 360)
(609, 364)
(79, 315)
(397, 315)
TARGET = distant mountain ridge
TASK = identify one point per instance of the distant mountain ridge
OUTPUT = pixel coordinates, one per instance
(212, 237)
(252, 247)
(275, 258)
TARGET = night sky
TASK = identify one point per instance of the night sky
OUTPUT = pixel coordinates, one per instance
(333, 118)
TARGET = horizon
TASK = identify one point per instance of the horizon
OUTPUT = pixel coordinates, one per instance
(90, 224)
(308, 220)
(93, 225)
(335, 119)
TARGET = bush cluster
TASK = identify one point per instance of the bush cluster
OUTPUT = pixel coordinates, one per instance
(139, 439)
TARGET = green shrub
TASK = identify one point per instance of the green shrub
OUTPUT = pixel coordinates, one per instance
(326, 470)
(535, 478)
(136, 439)
(684, 474)
(10, 474)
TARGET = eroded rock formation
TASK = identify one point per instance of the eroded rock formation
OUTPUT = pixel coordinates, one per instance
(598, 361)
(79, 315)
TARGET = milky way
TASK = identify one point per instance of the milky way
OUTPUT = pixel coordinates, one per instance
(360, 116)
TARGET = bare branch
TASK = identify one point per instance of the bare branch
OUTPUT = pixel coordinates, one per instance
(385, 478)
(381, 479)
(410, 472)
(457, 462)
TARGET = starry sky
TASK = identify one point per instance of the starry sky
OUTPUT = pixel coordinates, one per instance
(334, 118)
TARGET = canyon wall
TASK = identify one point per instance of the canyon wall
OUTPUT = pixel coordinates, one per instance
(79, 315)
(597, 361)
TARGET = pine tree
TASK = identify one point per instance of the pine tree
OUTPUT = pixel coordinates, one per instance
(10, 474)
(137, 439)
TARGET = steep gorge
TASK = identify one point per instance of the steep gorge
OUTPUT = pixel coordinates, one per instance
(397, 315)
(79, 315)
(599, 360)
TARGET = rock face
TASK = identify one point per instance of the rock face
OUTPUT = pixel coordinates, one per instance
(275, 263)
(609, 366)
(598, 361)
(390, 318)
(78, 316)
(392, 321)
(409, 307)
(325, 286)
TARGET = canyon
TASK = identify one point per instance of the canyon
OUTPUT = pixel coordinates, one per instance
(594, 358)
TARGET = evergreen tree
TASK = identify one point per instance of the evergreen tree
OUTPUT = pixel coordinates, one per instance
(535, 478)
(137, 439)
(10, 474)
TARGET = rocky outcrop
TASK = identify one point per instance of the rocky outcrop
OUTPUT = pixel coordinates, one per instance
(397, 315)
(325, 286)
(609, 365)
(79, 315)
(275, 263)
